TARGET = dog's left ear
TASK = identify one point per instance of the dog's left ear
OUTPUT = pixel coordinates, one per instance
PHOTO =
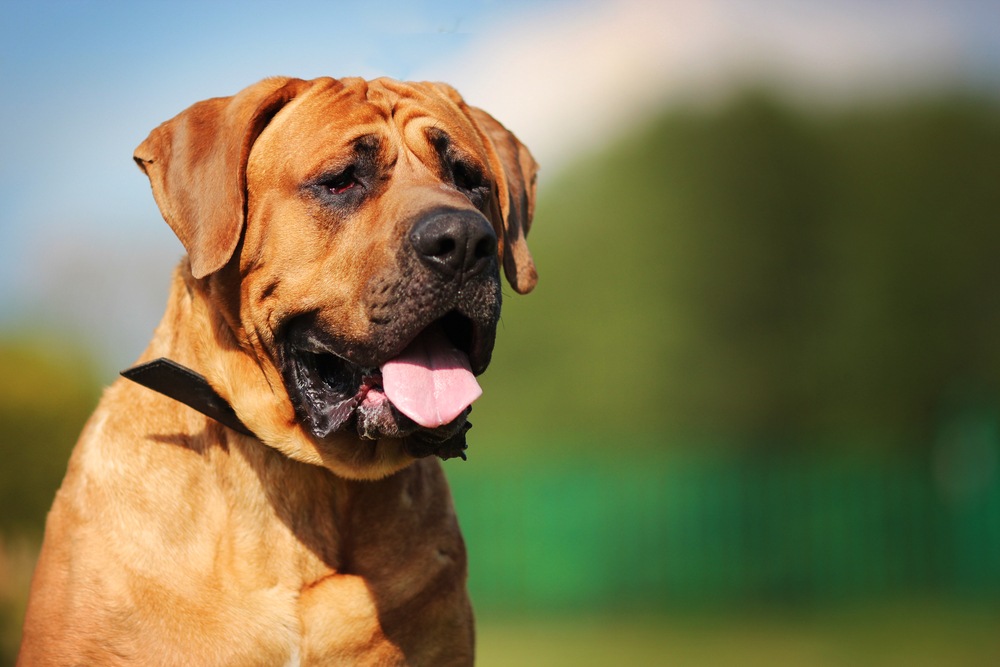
(516, 175)
(515, 172)
(196, 163)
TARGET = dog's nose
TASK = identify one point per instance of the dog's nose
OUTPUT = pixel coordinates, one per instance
(455, 243)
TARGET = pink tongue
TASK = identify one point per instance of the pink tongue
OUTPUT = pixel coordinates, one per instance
(431, 381)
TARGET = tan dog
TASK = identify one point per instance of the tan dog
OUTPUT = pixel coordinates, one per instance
(341, 289)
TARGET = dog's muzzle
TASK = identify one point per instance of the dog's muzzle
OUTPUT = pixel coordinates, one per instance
(414, 375)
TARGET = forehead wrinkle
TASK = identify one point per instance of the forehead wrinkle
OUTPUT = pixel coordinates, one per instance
(415, 147)
(411, 118)
(369, 143)
(405, 115)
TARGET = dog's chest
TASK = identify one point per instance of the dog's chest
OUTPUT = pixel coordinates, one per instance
(340, 624)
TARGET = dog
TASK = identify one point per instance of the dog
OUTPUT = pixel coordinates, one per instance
(264, 487)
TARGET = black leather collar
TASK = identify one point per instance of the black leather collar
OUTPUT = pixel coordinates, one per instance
(183, 384)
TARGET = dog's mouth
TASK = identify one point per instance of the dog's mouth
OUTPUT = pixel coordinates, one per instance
(423, 392)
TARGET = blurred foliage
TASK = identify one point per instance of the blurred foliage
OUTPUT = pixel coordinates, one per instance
(763, 274)
(48, 390)
(17, 560)
(917, 633)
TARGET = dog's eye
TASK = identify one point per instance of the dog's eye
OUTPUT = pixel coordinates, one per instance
(342, 182)
(465, 176)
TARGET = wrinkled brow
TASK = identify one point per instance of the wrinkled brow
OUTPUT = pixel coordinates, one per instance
(367, 146)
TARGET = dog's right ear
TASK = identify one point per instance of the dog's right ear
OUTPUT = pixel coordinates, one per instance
(196, 163)
(516, 172)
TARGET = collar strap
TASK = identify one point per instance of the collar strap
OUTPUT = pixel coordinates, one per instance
(183, 384)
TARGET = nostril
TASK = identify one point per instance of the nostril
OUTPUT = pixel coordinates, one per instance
(444, 246)
(485, 248)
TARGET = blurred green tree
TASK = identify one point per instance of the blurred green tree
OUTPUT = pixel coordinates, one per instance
(764, 273)
(48, 390)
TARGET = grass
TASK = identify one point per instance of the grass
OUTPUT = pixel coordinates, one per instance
(884, 635)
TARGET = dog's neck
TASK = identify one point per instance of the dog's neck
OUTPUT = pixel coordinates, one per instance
(182, 384)
(174, 379)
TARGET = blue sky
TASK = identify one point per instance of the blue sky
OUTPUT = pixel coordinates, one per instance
(85, 81)
(83, 248)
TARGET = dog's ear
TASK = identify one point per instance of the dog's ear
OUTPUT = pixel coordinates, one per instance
(515, 171)
(196, 163)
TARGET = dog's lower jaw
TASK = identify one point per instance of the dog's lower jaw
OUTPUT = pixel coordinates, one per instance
(423, 444)
(346, 455)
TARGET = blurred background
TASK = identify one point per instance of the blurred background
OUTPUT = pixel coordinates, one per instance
(750, 415)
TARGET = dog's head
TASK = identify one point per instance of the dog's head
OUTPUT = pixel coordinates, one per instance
(350, 234)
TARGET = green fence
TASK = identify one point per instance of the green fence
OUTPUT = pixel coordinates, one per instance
(664, 535)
